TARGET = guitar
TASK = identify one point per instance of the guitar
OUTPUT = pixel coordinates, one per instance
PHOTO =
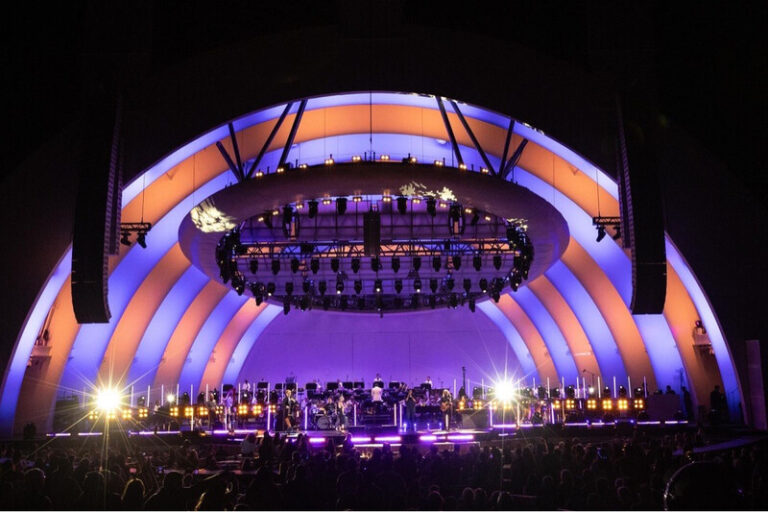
(445, 406)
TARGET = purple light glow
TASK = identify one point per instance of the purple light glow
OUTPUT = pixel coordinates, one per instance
(317, 440)
(360, 439)
(59, 434)
(460, 437)
(89, 434)
(387, 439)
(428, 438)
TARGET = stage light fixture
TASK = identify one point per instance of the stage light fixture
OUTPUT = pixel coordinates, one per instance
(433, 285)
(289, 288)
(267, 218)
(108, 399)
(395, 263)
(355, 265)
(432, 301)
(287, 214)
(286, 306)
(467, 285)
(275, 267)
(376, 264)
(141, 239)
(339, 286)
(314, 265)
(326, 303)
(312, 209)
(361, 303)
(483, 285)
(417, 285)
(358, 287)
(600, 233)
(472, 304)
(125, 238)
(294, 265)
(322, 287)
(344, 302)
(306, 286)
(254, 265)
(617, 235)
(170, 398)
(271, 289)
(341, 205)
(356, 158)
(398, 285)
(377, 286)
(477, 262)
(497, 261)
(456, 260)
(431, 206)
(450, 283)
(496, 296)
(335, 264)
(453, 301)
(504, 390)
(436, 263)
(386, 198)
(259, 299)
(326, 201)
(416, 262)
(439, 163)
(402, 205)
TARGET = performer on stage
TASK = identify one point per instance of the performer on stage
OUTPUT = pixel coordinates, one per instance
(446, 407)
(341, 418)
(288, 410)
(410, 410)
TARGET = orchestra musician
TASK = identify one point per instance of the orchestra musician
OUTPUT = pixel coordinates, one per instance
(410, 410)
(446, 407)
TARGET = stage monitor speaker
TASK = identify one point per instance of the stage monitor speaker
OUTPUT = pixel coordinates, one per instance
(97, 212)
(642, 214)
(371, 233)
(476, 419)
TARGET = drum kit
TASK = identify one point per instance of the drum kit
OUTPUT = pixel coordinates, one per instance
(325, 418)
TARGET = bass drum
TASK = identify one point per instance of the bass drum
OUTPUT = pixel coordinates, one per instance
(323, 422)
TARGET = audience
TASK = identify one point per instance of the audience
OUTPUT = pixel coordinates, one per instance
(624, 473)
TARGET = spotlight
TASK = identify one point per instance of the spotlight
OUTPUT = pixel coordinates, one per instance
(306, 285)
(402, 205)
(617, 235)
(497, 261)
(436, 263)
(483, 285)
(472, 304)
(433, 285)
(431, 206)
(268, 219)
(377, 286)
(341, 205)
(294, 265)
(259, 299)
(254, 264)
(453, 301)
(361, 303)
(375, 264)
(270, 289)
(355, 265)
(456, 261)
(141, 239)
(339, 286)
(416, 261)
(600, 233)
(326, 303)
(125, 238)
(312, 210)
(314, 265)
(398, 285)
(477, 262)
(322, 287)
(432, 301)
(504, 390)
(286, 306)
(467, 285)
(450, 283)
(287, 215)
(304, 303)
(275, 267)
(335, 264)
(170, 398)
(358, 286)
(496, 296)
(344, 303)
(395, 263)
(417, 285)
(475, 218)
(386, 198)
(289, 288)
(108, 399)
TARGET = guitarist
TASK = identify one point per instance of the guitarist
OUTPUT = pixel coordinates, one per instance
(446, 407)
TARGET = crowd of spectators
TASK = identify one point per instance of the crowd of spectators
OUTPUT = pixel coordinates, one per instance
(623, 473)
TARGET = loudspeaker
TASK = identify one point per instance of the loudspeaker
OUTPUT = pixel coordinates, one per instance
(97, 212)
(642, 214)
(371, 233)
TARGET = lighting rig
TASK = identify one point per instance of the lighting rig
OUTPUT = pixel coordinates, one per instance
(602, 222)
(139, 228)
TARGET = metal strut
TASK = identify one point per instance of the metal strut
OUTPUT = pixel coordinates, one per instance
(292, 134)
(449, 130)
(473, 138)
(237, 168)
(269, 140)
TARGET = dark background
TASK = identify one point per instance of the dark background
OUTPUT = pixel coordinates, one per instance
(700, 68)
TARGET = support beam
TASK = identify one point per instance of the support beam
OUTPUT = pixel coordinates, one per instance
(269, 140)
(292, 134)
(514, 159)
(448, 129)
(510, 131)
(236, 149)
(232, 165)
(472, 136)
